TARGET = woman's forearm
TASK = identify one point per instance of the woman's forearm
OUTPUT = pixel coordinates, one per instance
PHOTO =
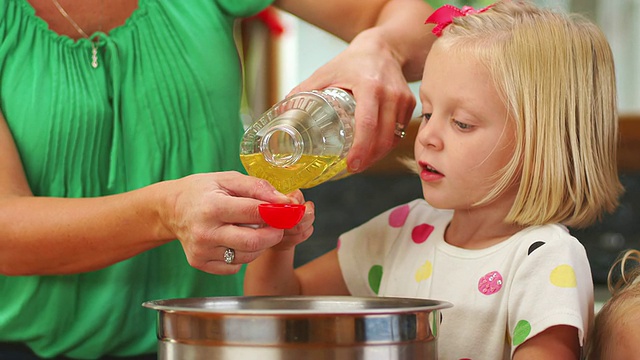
(40, 235)
(203, 211)
(401, 24)
(398, 25)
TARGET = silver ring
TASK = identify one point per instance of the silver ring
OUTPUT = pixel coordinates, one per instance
(399, 131)
(229, 255)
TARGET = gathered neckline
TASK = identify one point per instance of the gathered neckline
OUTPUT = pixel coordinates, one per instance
(40, 23)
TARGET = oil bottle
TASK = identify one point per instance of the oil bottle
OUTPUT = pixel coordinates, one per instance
(302, 141)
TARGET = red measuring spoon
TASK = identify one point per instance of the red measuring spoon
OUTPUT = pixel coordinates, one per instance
(281, 216)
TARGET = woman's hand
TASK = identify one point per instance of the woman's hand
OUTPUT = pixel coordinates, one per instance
(389, 43)
(209, 214)
(370, 71)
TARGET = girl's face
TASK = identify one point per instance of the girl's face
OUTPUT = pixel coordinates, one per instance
(466, 135)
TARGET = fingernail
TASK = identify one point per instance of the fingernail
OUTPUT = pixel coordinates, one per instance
(280, 195)
(355, 165)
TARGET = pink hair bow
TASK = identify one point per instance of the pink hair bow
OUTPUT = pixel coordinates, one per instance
(444, 15)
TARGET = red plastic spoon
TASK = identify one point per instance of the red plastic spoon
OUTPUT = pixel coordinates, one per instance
(281, 216)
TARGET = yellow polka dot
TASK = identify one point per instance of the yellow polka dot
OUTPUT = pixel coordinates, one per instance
(424, 272)
(563, 276)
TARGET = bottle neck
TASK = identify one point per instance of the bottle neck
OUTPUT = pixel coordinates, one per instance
(282, 145)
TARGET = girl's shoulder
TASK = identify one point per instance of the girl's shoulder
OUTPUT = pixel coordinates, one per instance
(553, 234)
(550, 241)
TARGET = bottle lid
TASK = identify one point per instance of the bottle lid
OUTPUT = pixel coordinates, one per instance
(281, 216)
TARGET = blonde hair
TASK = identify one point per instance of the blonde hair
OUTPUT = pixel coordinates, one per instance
(556, 75)
(625, 299)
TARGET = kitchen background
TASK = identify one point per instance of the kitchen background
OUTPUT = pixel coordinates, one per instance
(288, 52)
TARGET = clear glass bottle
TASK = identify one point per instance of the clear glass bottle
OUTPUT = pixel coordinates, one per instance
(302, 141)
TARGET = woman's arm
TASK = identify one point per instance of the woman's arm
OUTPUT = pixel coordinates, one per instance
(44, 235)
(389, 43)
(400, 23)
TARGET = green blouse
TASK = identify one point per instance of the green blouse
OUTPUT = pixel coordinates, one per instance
(163, 103)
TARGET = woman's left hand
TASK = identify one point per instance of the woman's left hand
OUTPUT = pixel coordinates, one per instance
(388, 45)
(370, 71)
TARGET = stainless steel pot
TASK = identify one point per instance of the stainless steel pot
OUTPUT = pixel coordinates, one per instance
(298, 327)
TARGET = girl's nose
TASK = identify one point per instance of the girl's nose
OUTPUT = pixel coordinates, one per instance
(429, 134)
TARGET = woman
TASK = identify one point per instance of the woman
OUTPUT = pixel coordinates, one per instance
(119, 133)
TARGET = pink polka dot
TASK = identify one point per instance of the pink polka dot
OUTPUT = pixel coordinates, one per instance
(490, 283)
(420, 233)
(339, 244)
(398, 216)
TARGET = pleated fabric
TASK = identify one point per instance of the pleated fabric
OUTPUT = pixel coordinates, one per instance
(163, 103)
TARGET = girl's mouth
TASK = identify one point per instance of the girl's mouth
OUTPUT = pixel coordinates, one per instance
(429, 174)
(429, 168)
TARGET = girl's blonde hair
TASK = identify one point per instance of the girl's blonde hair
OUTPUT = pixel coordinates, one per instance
(556, 75)
(624, 285)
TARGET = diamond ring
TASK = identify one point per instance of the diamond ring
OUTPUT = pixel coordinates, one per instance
(229, 255)
(399, 131)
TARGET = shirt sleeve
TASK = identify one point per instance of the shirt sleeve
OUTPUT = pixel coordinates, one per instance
(552, 286)
(243, 8)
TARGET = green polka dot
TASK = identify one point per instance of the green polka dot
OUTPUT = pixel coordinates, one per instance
(522, 330)
(435, 324)
(375, 277)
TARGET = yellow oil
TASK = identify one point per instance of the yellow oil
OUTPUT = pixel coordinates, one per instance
(307, 172)
(331, 174)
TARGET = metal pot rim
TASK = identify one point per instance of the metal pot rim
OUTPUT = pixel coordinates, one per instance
(296, 305)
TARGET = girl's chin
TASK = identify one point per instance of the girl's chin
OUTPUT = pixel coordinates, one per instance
(443, 200)
(436, 202)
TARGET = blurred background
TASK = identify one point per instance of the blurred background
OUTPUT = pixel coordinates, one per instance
(280, 51)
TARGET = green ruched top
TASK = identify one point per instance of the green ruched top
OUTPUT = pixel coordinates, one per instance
(163, 103)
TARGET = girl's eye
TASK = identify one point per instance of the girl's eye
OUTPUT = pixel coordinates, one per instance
(426, 116)
(461, 125)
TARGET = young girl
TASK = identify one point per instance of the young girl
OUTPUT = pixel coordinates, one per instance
(616, 334)
(518, 140)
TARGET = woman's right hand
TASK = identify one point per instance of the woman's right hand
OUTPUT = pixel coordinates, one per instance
(42, 235)
(52, 236)
(209, 213)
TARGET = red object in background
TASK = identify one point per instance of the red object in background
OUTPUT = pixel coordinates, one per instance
(281, 216)
(270, 18)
